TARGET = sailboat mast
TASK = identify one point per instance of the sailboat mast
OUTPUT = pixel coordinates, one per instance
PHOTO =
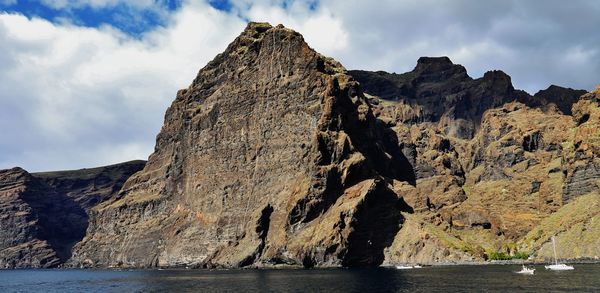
(554, 248)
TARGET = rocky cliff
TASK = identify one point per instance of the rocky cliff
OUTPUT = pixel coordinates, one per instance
(439, 91)
(271, 156)
(277, 156)
(42, 215)
(493, 164)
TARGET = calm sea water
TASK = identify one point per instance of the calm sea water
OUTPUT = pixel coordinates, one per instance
(491, 278)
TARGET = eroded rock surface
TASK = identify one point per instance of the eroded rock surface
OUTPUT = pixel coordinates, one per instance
(277, 156)
(271, 156)
(42, 215)
(89, 187)
(492, 163)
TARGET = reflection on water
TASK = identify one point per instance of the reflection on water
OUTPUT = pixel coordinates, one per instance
(492, 278)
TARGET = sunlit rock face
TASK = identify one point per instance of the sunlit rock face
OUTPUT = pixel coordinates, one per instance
(495, 167)
(271, 156)
(276, 156)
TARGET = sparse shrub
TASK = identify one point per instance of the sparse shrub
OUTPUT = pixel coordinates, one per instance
(521, 255)
(478, 251)
(500, 255)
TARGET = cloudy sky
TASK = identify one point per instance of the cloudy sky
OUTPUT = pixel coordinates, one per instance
(86, 82)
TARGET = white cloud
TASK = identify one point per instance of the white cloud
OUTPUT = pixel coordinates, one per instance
(75, 97)
(321, 28)
(536, 43)
(79, 97)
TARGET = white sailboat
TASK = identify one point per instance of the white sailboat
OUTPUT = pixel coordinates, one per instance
(558, 266)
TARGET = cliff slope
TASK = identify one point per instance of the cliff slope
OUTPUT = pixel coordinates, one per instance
(42, 215)
(493, 164)
(271, 156)
(277, 156)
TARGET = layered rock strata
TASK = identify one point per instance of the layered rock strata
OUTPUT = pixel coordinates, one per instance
(43, 215)
(277, 156)
(492, 163)
(271, 156)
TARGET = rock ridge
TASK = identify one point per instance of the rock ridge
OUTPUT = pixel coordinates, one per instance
(272, 156)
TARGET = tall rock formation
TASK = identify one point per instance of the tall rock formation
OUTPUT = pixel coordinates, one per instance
(271, 156)
(493, 164)
(277, 156)
(43, 215)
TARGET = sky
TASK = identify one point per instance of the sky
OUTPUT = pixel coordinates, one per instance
(85, 83)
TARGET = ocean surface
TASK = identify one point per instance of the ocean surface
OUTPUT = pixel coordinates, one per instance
(488, 278)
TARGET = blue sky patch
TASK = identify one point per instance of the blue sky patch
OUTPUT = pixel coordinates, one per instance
(131, 20)
(134, 21)
(223, 5)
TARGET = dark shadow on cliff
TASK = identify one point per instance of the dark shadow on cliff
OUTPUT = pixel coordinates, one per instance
(369, 136)
(62, 221)
(376, 224)
(62, 199)
(377, 142)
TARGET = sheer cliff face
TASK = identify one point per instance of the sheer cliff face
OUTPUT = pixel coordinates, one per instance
(494, 166)
(275, 156)
(271, 156)
(42, 215)
(25, 222)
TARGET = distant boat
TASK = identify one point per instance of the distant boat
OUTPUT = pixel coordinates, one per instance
(401, 267)
(404, 267)
(558, 266)
(526, 271)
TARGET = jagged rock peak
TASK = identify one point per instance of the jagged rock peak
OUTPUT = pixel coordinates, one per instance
(437, 65)
(563, 98)
(256, 31)
(500, 82)
(280, 45)
(497, 75)
(434, 60)
(271, 156)
(441, 90)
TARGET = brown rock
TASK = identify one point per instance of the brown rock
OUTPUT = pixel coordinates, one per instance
(44, 214)
(38, 226)
(491, 162)
(274, 156)
(271, 156)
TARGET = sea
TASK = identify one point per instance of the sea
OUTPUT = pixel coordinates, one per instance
(467, 278)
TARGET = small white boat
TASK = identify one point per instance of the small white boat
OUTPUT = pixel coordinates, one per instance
(402, 267)
(558, 266)
(526, 271)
